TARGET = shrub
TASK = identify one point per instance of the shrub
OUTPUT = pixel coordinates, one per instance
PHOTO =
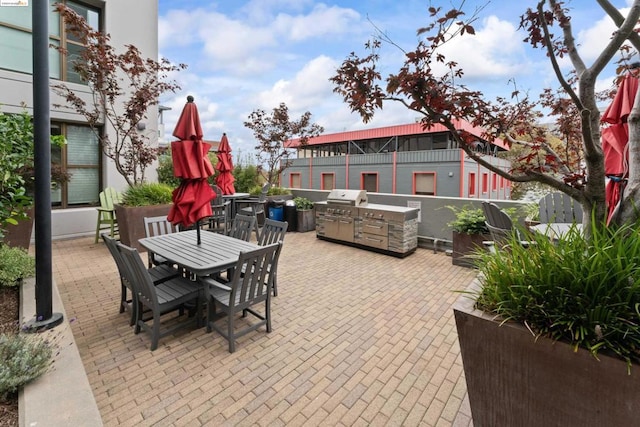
(165, 171)
(246, 178)
(582, 291)
(147, 194)
(15, 264)
(302, 203)
(23, 358)
(468, 220)
(278, 191)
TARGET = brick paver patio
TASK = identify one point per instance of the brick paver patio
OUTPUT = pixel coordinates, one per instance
(359, 338)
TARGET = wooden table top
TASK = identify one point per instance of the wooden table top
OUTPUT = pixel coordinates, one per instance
(216, 252)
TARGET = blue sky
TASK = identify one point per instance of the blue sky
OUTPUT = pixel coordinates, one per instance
(245, 55)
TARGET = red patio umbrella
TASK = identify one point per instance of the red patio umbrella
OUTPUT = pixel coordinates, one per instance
(225, 177)
(615, 139)
(192, 198)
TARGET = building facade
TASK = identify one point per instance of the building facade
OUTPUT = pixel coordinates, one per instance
(128, 22)
(402, 159)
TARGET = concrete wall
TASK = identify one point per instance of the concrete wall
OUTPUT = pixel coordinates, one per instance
(433, 217)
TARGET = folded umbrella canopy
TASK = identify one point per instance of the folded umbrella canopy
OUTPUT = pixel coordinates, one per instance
(192, 198)
(615, 141)
(225, 177)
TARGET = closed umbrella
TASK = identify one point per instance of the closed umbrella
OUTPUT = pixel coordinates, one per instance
(225, 177)
(192, 198)
(615, 141)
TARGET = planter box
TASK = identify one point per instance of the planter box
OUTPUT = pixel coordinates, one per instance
(514, 380)
(464, 245)
(306, 220)
(19, 235)
(131, 222)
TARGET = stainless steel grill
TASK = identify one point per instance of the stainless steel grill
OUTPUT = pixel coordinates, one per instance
(347, 197)
(347, 216)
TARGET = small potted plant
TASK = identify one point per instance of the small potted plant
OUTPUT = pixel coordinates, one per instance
(305, 213)
(469, 231)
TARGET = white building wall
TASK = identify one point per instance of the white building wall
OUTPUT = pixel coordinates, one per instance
(132, 22)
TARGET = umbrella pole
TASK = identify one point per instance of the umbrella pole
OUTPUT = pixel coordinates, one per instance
(198, 230)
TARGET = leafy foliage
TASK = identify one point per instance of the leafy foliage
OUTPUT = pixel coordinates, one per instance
(587, 293)
(165, 169)
(147, 194)
(124, 87)
(246, 177)
(273, 130)
(16, 154)
(302, 203)
(23, 358)
(441, 97)
(15, 264)
(468, 220)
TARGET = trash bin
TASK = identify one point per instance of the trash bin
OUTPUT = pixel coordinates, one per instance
(276, 210)
(290, 215)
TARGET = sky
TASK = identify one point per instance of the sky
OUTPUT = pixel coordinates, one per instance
(249, 55)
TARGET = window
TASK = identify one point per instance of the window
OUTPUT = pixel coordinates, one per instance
(369, 181)
(295, 180)
(424, 183)
(80, 157)
(494, 182)
(328, 181)
(472, 184)
(15, 39)
(485, 183)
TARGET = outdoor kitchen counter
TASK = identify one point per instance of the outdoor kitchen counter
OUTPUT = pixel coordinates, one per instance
(385, 228)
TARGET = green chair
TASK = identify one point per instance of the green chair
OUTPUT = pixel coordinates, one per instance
(107, 213)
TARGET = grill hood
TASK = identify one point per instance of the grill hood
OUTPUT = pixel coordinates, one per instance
(348, 197)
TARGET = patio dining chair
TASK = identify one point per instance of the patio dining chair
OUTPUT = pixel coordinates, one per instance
(218, 221)
(160, 299)
(156, 226)
(159, 274)
(242, 293)
(242, 226)
(255, 206)
(273, 232)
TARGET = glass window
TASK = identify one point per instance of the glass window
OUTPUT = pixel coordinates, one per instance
(370, 182)
(425, 183)
(295, 180)
(15, 49)
(328, 181)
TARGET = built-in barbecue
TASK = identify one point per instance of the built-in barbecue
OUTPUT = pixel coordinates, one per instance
(347, 217)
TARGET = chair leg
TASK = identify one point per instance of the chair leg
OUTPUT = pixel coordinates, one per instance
(155, 331)
(275, 284)
(267, 313)
(98, 228)
(123, 297)
(230, 336)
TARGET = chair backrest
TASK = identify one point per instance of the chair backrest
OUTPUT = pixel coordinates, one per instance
(112, 245)
(108, 197)
(272, 232)
(559, 207)
(265, 190)
(158, 225)
(498, 222)
(251, 281)
(219, 200)
(138, 276)
(242, 226)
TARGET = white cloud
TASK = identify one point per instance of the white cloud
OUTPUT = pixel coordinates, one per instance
(321, 21)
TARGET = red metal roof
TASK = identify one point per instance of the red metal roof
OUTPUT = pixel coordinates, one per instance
(389, 131)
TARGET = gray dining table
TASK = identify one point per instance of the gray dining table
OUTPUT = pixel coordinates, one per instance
(234, 199)
(555, 230)
(215, 253)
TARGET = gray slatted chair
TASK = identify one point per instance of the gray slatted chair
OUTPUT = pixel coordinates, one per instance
(242, 292)
(272, 232)
(165, 297)
(559, 207)
(500, 227)
(242, 227)
(155, 226)
(255, 206)
(158, 274)
(218, 221)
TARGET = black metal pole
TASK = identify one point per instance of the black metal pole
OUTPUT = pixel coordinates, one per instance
(45, 318)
